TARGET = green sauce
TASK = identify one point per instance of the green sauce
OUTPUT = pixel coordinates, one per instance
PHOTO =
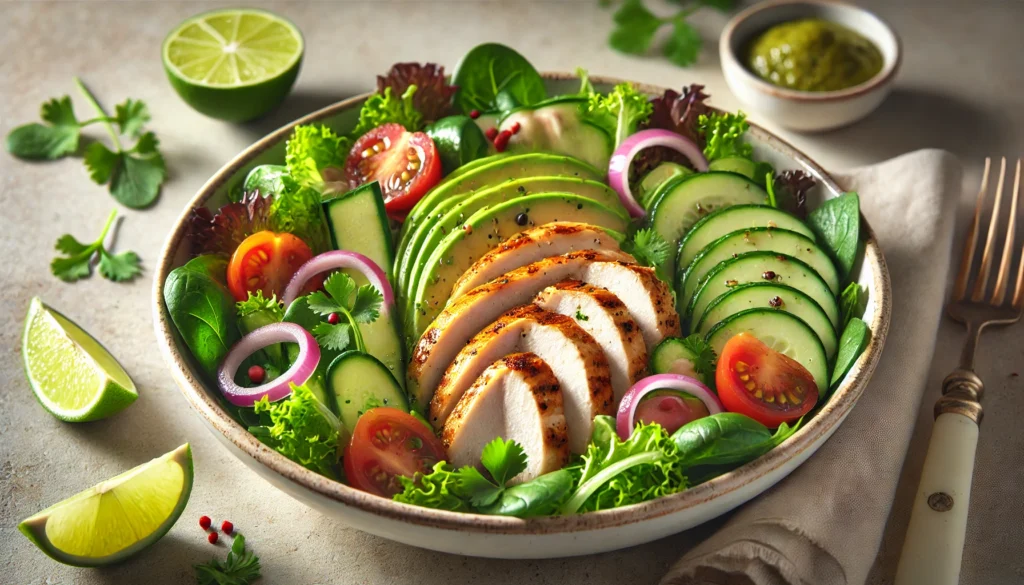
(813, 55)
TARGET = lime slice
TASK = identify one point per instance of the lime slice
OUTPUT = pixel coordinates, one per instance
(73, 376)
(234, 64)
(116, 518)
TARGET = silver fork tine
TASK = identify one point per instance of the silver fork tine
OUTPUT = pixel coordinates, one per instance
(960, 287)
(986, 256)
(999, 294)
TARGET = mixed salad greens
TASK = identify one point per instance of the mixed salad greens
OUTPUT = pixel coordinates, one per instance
(486, 299)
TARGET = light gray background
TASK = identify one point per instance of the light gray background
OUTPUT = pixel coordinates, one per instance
(961, 88)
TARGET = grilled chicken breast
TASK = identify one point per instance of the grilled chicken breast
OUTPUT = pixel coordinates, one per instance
(576, 359)
(527, 247)
(601, 314)
(518, 398)
(648, 300)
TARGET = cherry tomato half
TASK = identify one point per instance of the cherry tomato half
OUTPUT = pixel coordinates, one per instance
(267, 261)
(405, 163)
(769, 387)
(386, 443)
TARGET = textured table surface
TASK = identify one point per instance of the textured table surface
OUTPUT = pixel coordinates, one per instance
(961, 88)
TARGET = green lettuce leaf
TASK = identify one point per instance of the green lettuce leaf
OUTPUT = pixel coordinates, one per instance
(723, 135)
(619, 113)
(436, 489)
(302, 429)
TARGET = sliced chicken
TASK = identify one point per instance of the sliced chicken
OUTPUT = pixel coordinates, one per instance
(545, 241)
(648, 300)
(516, 398)
(605, 317)
(576, 359)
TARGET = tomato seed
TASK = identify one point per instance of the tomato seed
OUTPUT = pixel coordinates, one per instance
(256, 375)
(205, 522)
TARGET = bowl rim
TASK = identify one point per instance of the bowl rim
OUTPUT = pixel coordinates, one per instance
(188, 378)
(879, 80)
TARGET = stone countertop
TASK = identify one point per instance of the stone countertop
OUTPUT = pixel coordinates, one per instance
(960, 89)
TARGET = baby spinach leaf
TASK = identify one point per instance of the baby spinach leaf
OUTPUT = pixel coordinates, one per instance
(538, 497)
(713, 445)
(836, 222)
(851, 343)
(850, 303)
(202, 309)
(491, 68)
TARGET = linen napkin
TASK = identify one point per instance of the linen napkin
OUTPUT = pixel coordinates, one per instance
(823, 524)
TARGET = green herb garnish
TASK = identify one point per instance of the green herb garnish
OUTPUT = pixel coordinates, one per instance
(242, 567)
(77, 260)
(636, 26)
(357, 305)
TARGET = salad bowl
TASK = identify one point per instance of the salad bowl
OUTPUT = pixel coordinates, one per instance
(500, 536)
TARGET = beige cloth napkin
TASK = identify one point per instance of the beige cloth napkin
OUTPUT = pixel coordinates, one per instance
(823, 524)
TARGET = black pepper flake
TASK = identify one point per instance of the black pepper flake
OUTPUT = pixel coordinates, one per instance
(521, 189)
(522, 219)
(579, 206)
(775, 302)
(769, 275)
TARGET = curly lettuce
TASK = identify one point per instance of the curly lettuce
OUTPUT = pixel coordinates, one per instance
(723, 135)
(312, 154)
(619, 113)
(618, 473)
(302, 429)
(437, 489)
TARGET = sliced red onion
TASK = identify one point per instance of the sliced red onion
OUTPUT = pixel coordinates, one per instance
(626, 418)
(341, 259)
(278, 388)
(618, 166)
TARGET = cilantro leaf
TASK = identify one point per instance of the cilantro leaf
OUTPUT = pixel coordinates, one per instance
(333, 337)
(321, 304)
(635, 28)
(683, 46)
(480, 490)
(136, 182)
(242, 567)
(340, 286)
(366, 307)
(101, 162)
(131, 116)
(648, 247)
(703, 357)
(504, 459)
(76, 262)
(119, 267)
(56, 139)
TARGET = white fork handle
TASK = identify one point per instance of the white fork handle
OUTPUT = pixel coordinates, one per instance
(934, 544)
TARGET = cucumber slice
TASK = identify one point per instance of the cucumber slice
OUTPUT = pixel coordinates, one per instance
(731, 219)
(735, 164)
(360, 382)
(762, 239)
(667, 353)
(763, 295)
(782, 332)
(752, 267)
(658, 176)
(685, 200)
(358, 223)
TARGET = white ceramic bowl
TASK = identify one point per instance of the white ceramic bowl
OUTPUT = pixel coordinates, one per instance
(498, 536)
(804, 110)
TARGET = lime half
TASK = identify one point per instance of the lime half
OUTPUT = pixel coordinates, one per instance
(117, 518)
(73, 376)
(234, 64)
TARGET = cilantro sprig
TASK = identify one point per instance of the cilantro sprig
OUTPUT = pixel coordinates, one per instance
(134, 175)
(703, 357)
(77, 260)
(503, 460)
(649, 248)
(242, 567)
(356, 305)
(636, 27)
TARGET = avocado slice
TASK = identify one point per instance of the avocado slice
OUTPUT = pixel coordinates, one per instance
(449, 214)
(487, 228)
(493, 170)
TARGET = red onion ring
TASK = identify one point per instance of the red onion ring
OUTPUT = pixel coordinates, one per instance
(341, 259)
(304, 366)
(625, 419)
(618, 165)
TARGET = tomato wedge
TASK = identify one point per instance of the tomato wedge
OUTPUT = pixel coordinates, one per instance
(266, 261)
(386, 443)
(769, 387)
(406, 165)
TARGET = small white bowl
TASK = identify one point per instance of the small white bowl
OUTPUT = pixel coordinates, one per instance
(805, 110)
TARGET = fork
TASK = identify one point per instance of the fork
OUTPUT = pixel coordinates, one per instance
(934, 544)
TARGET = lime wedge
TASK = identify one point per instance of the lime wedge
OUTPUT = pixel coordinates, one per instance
(233, 64)
(73, 376)
(116, 518)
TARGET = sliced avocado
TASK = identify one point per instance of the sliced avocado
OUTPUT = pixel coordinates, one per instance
(558, 127)
(486, 229)
(486, 174)
(449, 214)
